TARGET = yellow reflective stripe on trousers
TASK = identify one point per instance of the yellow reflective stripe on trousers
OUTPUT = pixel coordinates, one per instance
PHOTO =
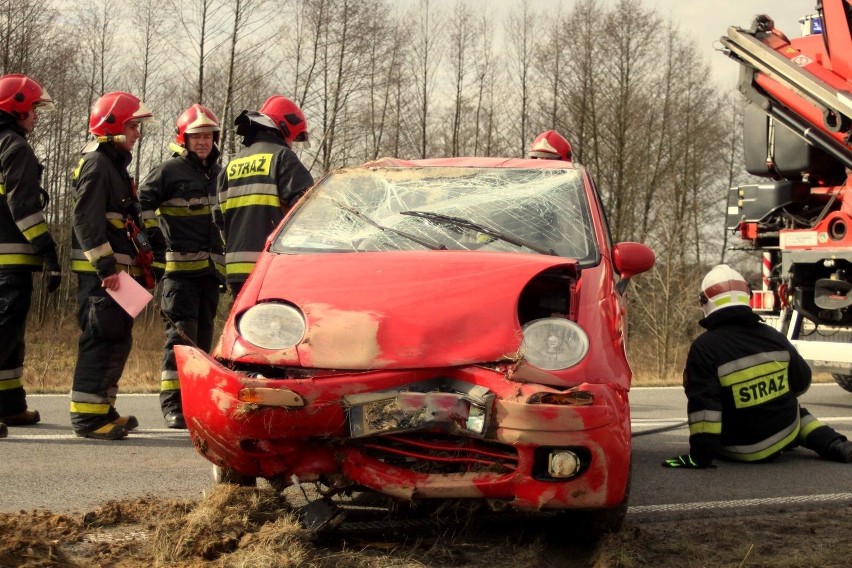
(169, 385)
(11, 378)
(89, 408)
(240, 267)
(809, 424)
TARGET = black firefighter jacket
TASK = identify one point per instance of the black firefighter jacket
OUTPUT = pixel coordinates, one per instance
(178, 198)
(255, 188)
(104, 197)
(741, 379)
(24, 237)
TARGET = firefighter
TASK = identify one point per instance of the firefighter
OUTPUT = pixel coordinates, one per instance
(176, 200)
(261, 182)
(25, 241)
(742, 380)
(106, 214)
(550, 145)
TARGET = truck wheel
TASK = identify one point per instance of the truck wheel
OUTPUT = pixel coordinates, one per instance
(231, 477)
(844, 381)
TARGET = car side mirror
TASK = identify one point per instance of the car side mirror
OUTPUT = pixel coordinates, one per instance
(630, 259)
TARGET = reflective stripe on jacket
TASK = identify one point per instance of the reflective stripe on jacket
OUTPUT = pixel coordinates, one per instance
(255, 189)
(178, 198)
(103, 196)
(742, 378)
(24, 236)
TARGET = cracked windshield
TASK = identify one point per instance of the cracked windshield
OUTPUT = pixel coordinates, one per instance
(483, 209)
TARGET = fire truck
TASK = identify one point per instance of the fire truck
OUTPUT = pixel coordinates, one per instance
(797, 136)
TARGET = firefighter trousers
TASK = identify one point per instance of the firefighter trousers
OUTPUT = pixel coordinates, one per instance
(16, 289)
(816, 436)
(103, 349)
(190, 303)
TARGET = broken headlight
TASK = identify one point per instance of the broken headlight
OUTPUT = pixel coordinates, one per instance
(554, 343)
(272, 325)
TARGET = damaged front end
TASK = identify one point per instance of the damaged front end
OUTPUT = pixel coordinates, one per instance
(459, 433)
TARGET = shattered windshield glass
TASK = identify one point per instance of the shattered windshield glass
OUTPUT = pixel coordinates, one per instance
(443, 208)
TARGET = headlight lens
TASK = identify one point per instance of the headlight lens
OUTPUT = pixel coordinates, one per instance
(272, 325)
(553, 343)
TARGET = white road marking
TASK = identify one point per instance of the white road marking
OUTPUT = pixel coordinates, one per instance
(740, 503)
(148, 434)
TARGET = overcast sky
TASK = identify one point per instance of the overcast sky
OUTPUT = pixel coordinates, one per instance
(704, 21)
(707, 20)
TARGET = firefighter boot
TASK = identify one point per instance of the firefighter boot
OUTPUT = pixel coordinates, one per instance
(25, 418)
(3, 430)
(841, 450)
(109, 431)
(175, 420)
(129, 422)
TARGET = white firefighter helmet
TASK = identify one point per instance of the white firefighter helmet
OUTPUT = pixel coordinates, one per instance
(723, 287)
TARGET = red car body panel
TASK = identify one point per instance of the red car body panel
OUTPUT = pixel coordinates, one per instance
(343, 405)
(278, 442)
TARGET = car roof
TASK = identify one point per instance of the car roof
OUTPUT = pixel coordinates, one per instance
(472, 162)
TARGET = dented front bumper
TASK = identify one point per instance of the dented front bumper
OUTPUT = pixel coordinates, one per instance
(428, 433)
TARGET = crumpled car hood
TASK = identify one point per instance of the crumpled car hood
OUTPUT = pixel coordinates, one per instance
(404, 310)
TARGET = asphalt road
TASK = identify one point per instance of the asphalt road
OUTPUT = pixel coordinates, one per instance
(47, 467)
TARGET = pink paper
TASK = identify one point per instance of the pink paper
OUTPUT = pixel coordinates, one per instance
(131, 295)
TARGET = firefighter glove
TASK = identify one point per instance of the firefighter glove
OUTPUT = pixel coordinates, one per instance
(54, 273)
(684, 462)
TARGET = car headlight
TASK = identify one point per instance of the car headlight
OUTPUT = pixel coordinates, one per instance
(554, 343)
(272, 325)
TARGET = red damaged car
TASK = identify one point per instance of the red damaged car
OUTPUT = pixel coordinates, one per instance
(447, 329)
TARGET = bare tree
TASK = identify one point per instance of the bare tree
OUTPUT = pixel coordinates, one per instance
(426, 55)
(484, 80)
(521, 42)
(201, 23)
(150, 24)
(464, 30)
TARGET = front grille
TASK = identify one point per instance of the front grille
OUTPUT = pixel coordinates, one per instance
(435, 454)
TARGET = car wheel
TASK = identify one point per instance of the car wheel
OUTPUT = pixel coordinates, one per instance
(845, 381)
(231, 477)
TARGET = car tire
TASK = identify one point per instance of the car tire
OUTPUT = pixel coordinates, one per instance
(845, 381)
(231, 477)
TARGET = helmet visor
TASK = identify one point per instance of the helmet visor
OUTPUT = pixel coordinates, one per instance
(44, 103)
(143, 114)
(302, 141)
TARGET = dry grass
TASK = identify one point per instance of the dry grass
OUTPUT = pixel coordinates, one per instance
(246, 527)
(52, 354)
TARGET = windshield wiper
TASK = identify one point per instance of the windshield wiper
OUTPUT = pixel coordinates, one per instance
(465, 224)
(369, 221)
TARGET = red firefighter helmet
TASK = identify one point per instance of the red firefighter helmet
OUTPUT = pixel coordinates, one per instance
(551, 145)
(19, 94)
(288, 117)
(194, 120)
(113, 110)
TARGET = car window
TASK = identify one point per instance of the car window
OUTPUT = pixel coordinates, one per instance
(477, 209)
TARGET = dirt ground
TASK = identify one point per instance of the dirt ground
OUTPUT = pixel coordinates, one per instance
(246, 527)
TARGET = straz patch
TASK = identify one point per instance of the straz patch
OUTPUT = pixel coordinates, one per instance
(761, 389)
(256, 165)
